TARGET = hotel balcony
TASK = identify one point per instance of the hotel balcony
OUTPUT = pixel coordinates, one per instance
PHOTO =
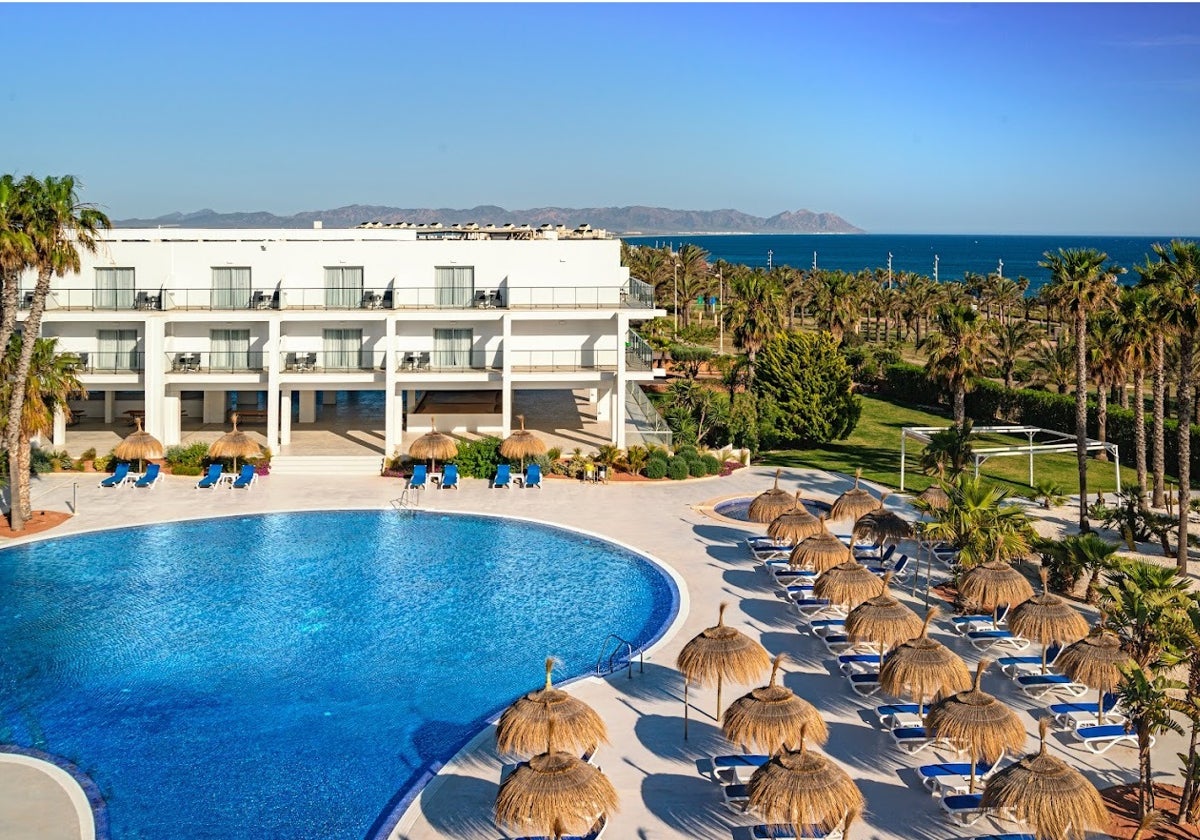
(331, 361)
(130, 361)
(438, 361)
(251, 361)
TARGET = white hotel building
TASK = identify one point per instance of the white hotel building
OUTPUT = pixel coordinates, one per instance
(182, 326)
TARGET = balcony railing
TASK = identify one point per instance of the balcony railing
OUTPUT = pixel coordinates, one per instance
(245, 361)
(439, 361)
(129, 361)
(333, 361)
(638, 354)
(535, 361)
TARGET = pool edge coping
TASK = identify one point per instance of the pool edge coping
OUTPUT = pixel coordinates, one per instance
(83, 793)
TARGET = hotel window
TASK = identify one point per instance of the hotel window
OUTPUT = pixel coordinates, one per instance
(229, 350)
(454, 287)
(230, 288)
(452, 347)
(114, 288)
(343, 287)
(344, 350)
(118, 350)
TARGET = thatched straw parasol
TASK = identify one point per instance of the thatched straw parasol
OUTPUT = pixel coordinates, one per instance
(522, 444)
(770, 503)
(139, 446)
(525, 726)
(772, 717)
(882, 525)
(1096, 661)
(716, 654)
(848, 583)
(882, 620)
(922, 668)
(803, 789)
(855, 502)
(977, 722)
(794, 524)
(935, 496)
(553, 795)
(234, 444)
(433, 445)
(1055, 800)
(1047, 619)
(994, 583)
(820, 552)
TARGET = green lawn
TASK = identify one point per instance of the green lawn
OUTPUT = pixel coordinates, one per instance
(875, 447)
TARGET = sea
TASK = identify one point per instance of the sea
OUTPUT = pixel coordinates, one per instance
(949, 257)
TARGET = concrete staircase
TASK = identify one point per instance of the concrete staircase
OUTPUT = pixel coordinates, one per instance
(326, 464)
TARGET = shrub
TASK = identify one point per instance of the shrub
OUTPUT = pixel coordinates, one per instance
(656, 468)
(88, 454)
(805, 391)
(677, 469)
(42, 460)
(696, 468)
(185, 460)
(479, 458)
(729, 466)
(686, 451)
(658, 454)
(712, 465)
(104, 463)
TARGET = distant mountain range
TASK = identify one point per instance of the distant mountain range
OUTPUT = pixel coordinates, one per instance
(619, 220)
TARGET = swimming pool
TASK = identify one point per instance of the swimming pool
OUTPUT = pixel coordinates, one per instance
(292, 675)
(739, 508)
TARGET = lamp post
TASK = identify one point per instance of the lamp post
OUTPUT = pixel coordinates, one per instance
(675, 288)
(720, 303)
(889, 269)
(935, 262)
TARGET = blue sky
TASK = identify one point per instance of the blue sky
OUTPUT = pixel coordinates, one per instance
(1004, 118)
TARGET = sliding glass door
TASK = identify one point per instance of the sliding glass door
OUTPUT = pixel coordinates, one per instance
(452, 348)
(114, 288)
(230, 350)
(344, 350)
(343, 288)
(454, 287)
(230, 288)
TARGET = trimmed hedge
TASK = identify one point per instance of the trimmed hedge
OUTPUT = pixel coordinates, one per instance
(992, 401)
(656, 468)
(677, 469)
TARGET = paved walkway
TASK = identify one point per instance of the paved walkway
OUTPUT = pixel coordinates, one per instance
(663, 790)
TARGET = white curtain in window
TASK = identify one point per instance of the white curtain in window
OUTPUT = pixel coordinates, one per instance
(344, 350)
(230, 288)
(114, 288)
(118, 350)
(343, 288)
(229, 350)
(452, 347)
(454, 286)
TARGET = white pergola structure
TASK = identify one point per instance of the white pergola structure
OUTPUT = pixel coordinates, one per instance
(1054, 442)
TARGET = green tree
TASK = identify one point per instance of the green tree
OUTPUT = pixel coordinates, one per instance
(1106, 361)
(956, 354)
(1082, 282)
(981, 524)
(948, 451)
(1137, 329)
(753, 315)
(1052, 364)
(1177, 279)
(58, 225)
(1011, 341)
(805, 391)
(1189, 705)
(16, 254)
(1146, 699)
(1146, 606)
(691, 279)
(690, 357)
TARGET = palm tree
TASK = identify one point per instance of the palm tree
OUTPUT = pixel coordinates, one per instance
(838, 302)
(1146, 699)
(948, 452)
(1083, 282)
(1137, 331)
(50, 384)
(1189, 706)
(1145, 605)
(1010, 341)
(16, 254)
(1106, 362)
(1177, 277)
(691, 263)
(57, 225)
(1052, 363)
(920, 297)
(956, 352)
(754, 314)
(981, 524)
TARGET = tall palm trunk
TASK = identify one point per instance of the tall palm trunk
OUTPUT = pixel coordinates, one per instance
(1188, 800)
(1081, 415)
(1102, 420)
(1185, 446)
(9, 301)
(1146, 789)
(960, 405)
(1158, 458)
(24, 496)
(18, 484)
(1139, 431)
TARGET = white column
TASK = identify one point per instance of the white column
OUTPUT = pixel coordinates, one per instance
(603, 403)
(308, 406)
(60, 428)
(285, 417)
(272, 358)
(593, 396)
(391, 429)
(110, 399)
(154, 375)
(214, 407)
(172, 433)
(506, 383)
(619, 385)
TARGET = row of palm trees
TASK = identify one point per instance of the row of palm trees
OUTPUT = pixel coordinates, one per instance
(43, 226)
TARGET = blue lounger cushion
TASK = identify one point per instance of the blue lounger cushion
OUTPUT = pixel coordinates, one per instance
(1110, 703)
(150, 478)
(951, 768)
(784, 832)
(210, 478)
(724, 761)
(245, 477)
(118, 477)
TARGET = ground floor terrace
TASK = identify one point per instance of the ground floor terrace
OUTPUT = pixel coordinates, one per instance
(662, 781)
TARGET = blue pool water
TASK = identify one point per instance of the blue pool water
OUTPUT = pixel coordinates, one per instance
(292, 675)
(740, 508)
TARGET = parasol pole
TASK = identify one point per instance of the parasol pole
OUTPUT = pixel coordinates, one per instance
(685, 708)
(983, 663)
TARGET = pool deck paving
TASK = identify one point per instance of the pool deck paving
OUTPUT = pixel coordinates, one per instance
(662, 780)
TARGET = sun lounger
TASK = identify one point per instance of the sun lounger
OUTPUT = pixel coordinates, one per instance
(211, 478)
(245, 478)
(899, 569)
(944, 778)
(1016, 666)
(964, 624)
(1039, 685)
(864, 685)
(822, 627)
(149, 479)
(858, 663)
(766, 548)
(883, 712)
(533, 476)
(840, 643)
(736, 798)
(503, 477)
(595, 834)
(786, 832)
(419, 477)
(913, 739)
(965, 808)
(798, 591)
(1110, 704)
(449, 477)
(120, 474)
(1005, 837)
(1086, 718)
(906, 716)
(810, 608)
(1100, 739)
(737, 769)
(985, 640)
